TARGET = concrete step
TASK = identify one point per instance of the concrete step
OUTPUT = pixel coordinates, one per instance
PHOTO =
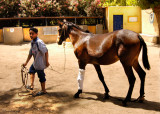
(151, 38)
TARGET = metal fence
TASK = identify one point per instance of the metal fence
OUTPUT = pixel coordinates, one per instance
(48, 21)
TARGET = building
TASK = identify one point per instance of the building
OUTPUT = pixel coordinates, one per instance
(123, 17)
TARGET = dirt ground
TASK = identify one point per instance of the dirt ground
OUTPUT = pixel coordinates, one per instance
(62, 86)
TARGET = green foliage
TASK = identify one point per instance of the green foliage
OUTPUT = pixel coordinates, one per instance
(145, 4)
(131, 2)
(120, 3)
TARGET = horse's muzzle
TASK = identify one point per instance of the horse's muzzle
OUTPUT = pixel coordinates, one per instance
(59, 41)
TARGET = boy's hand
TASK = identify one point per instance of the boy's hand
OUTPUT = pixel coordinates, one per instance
(47, 64)
(24, 64)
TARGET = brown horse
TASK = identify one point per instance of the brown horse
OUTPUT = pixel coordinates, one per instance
(105, 49)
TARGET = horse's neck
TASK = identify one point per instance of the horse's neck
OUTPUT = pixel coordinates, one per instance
(76, 36)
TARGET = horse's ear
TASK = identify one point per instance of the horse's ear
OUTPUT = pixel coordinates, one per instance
(60, 23)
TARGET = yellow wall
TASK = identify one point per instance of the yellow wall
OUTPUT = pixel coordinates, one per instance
(126, 11)
(26, 36)
(1, 35)
(92, 29)
(45, 38)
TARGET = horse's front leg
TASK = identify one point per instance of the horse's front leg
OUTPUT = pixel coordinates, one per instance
(80, 78)
(101, 77)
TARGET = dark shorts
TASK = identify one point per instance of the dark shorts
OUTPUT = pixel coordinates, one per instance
(40, 73)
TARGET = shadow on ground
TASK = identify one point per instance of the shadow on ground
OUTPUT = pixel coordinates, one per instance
(146, 105)
(58, 102)
(52, 102)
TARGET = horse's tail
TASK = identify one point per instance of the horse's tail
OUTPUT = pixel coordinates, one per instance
(144, 54)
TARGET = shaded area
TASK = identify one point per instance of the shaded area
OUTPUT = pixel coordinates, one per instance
(53, 102)
(147, 105)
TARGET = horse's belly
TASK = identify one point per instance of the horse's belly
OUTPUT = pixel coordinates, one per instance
(106, 60)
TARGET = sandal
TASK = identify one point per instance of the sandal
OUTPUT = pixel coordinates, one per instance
(40, 93)
(29, 87)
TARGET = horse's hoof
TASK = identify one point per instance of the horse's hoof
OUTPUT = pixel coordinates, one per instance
(77, 94)
(124, 102)
(141, 99)
(106, 96)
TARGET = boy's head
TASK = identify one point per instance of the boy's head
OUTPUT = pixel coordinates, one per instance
(33, 32)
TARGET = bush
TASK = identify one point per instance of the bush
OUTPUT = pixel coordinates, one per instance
(37, 8)
(10, 9)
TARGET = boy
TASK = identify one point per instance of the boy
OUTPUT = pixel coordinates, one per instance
(40, 54)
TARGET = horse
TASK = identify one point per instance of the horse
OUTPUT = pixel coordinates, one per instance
(104, 49)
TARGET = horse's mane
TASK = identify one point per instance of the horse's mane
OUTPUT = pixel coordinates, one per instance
(76, 26)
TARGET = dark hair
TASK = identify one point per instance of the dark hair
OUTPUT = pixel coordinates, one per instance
(34, 29)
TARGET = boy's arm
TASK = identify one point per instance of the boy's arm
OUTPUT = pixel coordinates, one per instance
(46, 56)
(28, 58)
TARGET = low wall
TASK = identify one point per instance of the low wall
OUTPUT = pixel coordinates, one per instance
(26, 36)
(92, 29)
(1, 35)
(98, 29)
(46, 33)
(13, 35)
(151, 38)
(49, 34)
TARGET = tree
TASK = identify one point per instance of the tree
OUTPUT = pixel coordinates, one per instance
(155, 5)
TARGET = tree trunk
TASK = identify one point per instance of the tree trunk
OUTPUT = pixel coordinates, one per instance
(157, 13)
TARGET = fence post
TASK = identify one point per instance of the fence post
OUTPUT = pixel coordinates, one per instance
(46, 21)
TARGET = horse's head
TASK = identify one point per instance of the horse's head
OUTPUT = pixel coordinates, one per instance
(63, 31)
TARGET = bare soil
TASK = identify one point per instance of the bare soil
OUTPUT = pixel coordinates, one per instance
(62, 86)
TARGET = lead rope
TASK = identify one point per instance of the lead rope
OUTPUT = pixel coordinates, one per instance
(24, 76)
(51, 67)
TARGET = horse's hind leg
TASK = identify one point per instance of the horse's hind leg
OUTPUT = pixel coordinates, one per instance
(131, 78)
(100, 75)
(142, 75)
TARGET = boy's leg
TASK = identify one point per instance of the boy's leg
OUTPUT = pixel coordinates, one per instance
(32, 72)
(32, 76)
(42, 80)
(43, 86)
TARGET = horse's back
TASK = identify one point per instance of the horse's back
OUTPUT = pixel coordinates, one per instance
(99, 43)
(127, 37)
(110, 47)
